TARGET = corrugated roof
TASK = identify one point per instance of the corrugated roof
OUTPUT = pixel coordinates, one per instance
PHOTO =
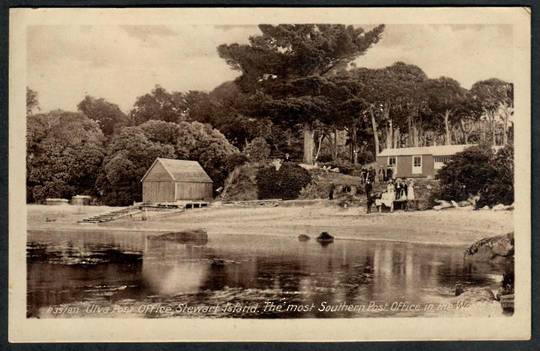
(439, 150)
(182, 170)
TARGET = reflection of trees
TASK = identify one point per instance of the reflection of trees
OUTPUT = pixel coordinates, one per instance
(261, 268)
(171, 268)
(71, 267)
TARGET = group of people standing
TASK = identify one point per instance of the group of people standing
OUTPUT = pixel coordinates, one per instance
(399, 190)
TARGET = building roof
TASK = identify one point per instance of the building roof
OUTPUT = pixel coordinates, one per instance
(181, 170)
(439, 150)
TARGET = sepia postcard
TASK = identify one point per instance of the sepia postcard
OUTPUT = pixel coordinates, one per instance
(269, 174)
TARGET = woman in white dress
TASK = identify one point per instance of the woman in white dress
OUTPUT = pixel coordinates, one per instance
(410, 193)
(389, 196)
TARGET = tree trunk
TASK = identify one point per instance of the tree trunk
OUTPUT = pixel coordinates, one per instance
(448, 137)
(334, 146)
(389, 135)
(493, 130)
(309, 144)
(375, 134)
(483, 131)
(464, 131)
(397, 138)
(416, 121)
(354, 156)
(412, 131)
(505, 127)
(321, 138)
(420, 131)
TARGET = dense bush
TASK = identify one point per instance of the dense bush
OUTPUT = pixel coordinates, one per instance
(64, 154)
(131, 153)
(479, 171)
(234, 160)
(500, 188)
(284, 183)
(128, 157)
(257, 150)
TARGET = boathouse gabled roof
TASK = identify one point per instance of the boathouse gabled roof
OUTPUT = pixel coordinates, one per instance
(439, 150)
(180, 170)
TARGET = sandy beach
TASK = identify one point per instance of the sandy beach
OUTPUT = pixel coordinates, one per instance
(446, 227)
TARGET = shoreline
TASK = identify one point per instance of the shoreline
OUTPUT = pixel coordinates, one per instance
(450, 227)
(160, 231)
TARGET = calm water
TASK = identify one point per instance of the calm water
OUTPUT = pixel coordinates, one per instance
(127, 275)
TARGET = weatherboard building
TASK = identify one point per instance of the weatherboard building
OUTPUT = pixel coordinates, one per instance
(169, 180)
(417, 162)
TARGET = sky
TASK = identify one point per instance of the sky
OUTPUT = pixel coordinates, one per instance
(120, 63)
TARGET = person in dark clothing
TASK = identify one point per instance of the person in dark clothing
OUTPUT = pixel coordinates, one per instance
(405, 188)
(371, 174)
(368, 188)
(331, 193)
(363, 176)
(389, 173)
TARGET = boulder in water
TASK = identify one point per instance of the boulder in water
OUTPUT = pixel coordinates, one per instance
(217, 262)
(197, 237)
(325, 237)
(475, 295)
(303, 237)
(458, 289)
(491, 248)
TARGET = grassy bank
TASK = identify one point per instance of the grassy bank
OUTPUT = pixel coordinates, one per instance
(450, 227)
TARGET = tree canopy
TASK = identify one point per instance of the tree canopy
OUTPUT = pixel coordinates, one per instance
(159, 104)
(32, 103)
(64, 155)
(134, 149)
(108, 115)
(287, 65)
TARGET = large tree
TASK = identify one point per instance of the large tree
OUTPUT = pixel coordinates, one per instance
(108, 115)
(467, 115)
(223, 109)
(497, 100)
(64, 155)
(445, 96)
(390, 99)
(287, 66)
(159, 104)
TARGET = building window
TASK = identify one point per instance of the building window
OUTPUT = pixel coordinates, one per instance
(392, 161)
(417, 165)
(440, 161)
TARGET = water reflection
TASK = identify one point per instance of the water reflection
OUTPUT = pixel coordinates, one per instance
(116, 270)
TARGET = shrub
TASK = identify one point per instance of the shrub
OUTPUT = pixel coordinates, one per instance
(479, 171)
(284, 183)
(257, 150)
(234, 160)
(500, 188)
